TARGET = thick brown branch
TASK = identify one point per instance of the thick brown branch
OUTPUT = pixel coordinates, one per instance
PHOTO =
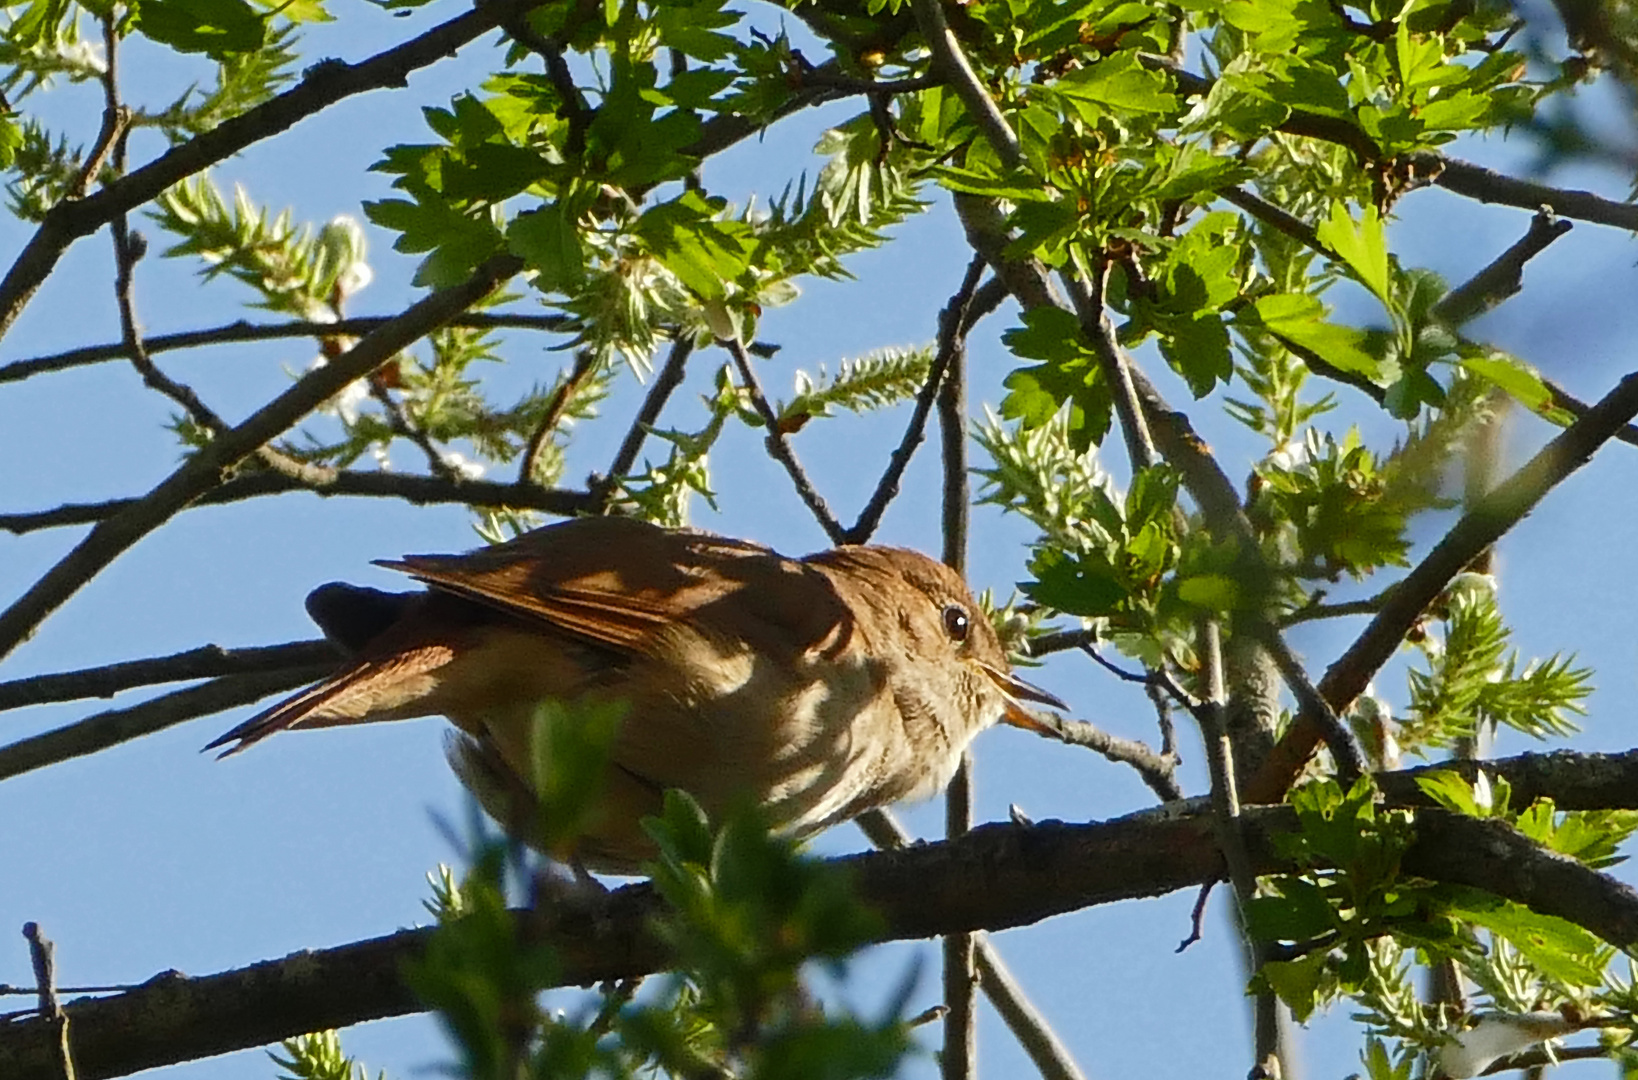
(205, 662)
(322, 85)
(204, 469)
(995, 877)
(1402, 606)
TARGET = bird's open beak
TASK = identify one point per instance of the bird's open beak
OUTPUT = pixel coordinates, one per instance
(1017, 692)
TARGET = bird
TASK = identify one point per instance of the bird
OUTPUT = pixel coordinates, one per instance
(819, 687)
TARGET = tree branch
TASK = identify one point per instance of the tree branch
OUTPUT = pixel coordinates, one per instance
(1504, 276)
(1488, 186)
(204, 469)
(241, 332)
(951, 344)
(105, 729)
(322, 85)
(1402, 605)
(584, 361)
(780, 450)
(959, 1059)
(947, 55)
(1158, 771)
(207, 661)
(665, 384)
(420, 490)
(995, 877)
(1026, 1023)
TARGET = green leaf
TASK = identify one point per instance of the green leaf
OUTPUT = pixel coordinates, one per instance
(1198, 350)
(1297, 982)
(1048, 333)
(1119, 82)
(1300, 319)
(1074, 586)
(1521, 383)
(11, 139)
(1363, 247)
(549, 243)
(1560, 948)
(218, 28)
(1216, 592)
(1298, 913)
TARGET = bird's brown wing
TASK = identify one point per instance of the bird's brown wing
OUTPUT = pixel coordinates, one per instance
(619, 583)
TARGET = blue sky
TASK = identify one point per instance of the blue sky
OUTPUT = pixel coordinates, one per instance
(153, 856)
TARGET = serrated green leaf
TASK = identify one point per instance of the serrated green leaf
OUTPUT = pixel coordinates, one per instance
(1362, 246)
(549, 243)
(1557, 946)
(1521, 383)
(218, 28)
(1300, 319)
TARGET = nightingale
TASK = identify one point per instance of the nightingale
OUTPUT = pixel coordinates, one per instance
(822, 687)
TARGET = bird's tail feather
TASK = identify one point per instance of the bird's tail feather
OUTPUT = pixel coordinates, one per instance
(390, 688)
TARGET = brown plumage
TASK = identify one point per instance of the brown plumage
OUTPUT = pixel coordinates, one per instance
(824, 686)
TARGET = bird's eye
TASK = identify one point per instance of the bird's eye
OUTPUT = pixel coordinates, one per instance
(956, 623)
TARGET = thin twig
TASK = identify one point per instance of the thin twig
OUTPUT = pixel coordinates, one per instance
(1577, 408)
(1315, 610)
(400, 424)
(116, 988)
(814, 76)
(321, 86)
(204, 470)
(1051, 1057)
(666, 382)
(1484, 524)
(1032, 1030)
(1225, 801)
(105, 729)
(951, 345)
(1312, 708)
(1158, 771)
(1197, 916)
(42, 953)
(205, 662)
(572, 104)
(986, 298)
(1057, 641)
(959, 1058)
(1504, 276)
(419, 490)
(780, 450)
(116, 120)
(242, 332)
(1162, 702)
(584, 361)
